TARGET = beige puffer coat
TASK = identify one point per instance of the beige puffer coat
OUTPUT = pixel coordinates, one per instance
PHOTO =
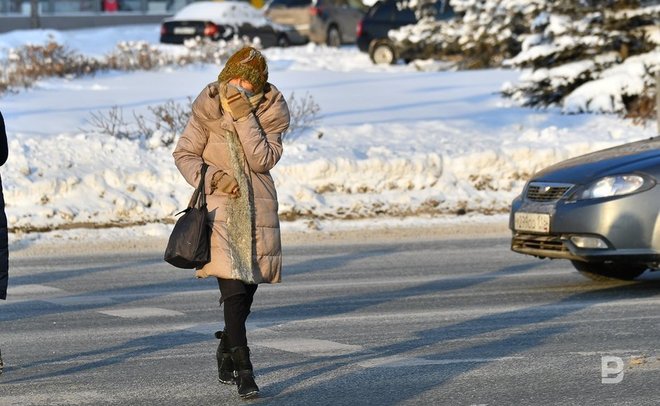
(204, 138)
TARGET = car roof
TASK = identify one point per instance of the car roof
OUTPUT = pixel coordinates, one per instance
(221, 12)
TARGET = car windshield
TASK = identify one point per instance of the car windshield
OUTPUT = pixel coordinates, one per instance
(443, 10)
(382, 10)
(394, 10)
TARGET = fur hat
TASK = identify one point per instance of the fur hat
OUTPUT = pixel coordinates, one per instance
(248, 64)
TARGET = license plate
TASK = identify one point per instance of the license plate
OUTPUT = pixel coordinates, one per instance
(534, 222)
(184, 30)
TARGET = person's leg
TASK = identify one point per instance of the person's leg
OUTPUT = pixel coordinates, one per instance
(4, 248)
(236, 310)
(225, 363)
(226, 370)
(247, 387)
(237, 299)
(4, 256)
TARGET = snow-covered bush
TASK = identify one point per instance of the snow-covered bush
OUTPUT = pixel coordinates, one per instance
(161, 129)
(591, 56)
(483, 34)
(142, 55)
(585, 56)
(304, 113)
(203, 50)
(25, 65)
(135, 55)
(166, 121)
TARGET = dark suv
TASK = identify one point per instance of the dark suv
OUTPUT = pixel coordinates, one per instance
(386, 15)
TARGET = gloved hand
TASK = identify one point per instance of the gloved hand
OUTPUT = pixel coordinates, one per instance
(225, 183)
(239, 105)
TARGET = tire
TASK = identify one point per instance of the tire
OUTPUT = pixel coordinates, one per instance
(283, 41)
(333, 37)
(609, 271)
(382, 53)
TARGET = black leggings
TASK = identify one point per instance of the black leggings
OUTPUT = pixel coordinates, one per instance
(237, 298)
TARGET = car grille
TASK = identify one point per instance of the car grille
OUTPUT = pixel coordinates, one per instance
(546, 192)
(538, 243)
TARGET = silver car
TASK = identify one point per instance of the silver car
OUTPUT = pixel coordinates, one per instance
(331, 22)
(600, 211)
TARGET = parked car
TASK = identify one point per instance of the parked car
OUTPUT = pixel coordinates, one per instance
(334, 22)
(296, 13)
(386, 15)
(224, 20)
(600, 211)
(330, 22)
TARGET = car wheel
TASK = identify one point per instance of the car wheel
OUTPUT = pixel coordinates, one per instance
(609, 271)
(382, 53)
(283, 41)
(333, 38)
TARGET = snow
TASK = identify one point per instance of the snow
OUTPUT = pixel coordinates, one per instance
(226, 12)
(604, 78)
(392, 141)
(93, 42)
(605, 94)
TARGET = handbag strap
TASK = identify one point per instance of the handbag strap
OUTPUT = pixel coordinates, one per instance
(199, 196)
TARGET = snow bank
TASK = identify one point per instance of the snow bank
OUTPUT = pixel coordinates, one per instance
(391, 142)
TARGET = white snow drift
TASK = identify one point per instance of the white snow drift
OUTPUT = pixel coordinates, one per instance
(391, 142)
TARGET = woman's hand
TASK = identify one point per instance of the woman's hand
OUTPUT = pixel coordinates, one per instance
(236, 98)
(226, 184)
(235, 192)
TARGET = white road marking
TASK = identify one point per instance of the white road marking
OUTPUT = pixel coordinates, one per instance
(297, 285)
(141, 312)
(203, 328)
(309, 346)
(70, 397)
(32, 289)
(396, 361)
(409, 280)
(211, 328)
(79, 300)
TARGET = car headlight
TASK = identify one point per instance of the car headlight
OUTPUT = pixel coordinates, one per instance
(618, 185)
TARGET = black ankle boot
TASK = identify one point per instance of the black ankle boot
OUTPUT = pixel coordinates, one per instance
(247, 387)
(225, 363)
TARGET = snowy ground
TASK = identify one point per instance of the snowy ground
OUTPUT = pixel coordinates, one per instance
(394, 141)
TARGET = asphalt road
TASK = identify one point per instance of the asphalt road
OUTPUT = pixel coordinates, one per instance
(444, 322)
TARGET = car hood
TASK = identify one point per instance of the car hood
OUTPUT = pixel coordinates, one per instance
(640, 156)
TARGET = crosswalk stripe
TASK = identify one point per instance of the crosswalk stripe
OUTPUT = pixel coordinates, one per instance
(81, 300)
(141, 312)
(309, 346)
(32, 289)
(397, 361)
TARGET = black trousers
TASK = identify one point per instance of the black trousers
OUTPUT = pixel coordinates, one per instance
(4, 248)
(236, 297)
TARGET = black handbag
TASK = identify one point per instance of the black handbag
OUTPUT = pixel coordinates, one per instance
(189, 245)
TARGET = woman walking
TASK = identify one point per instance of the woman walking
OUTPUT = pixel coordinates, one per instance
(235, 128)
(4, 242)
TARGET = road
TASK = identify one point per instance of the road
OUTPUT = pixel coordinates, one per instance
(437, 322)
